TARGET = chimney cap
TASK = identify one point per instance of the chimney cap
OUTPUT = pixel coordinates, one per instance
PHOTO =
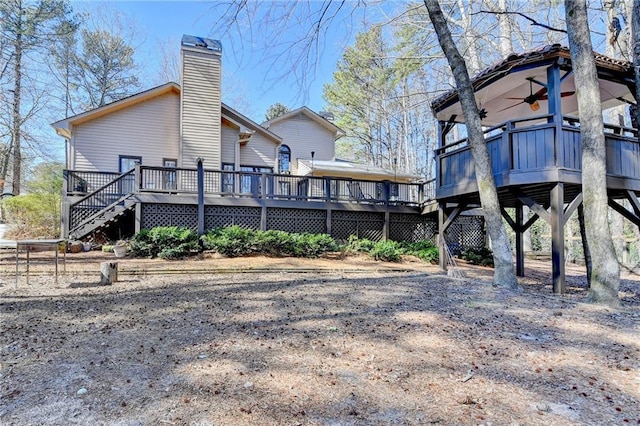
(202, 43)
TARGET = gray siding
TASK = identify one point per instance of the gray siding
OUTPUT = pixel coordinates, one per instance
(200, 125)
(149, 129)
(304, 135)
(229, 141)
(259, 151)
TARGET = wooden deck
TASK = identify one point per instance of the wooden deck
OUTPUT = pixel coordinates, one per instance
(531, 156)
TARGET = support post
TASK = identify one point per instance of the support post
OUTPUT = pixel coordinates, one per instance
(108, 273)
(519, 230)
(200, 196)
(328, 225)
(557, 238)
(385, 226)
(442, 251)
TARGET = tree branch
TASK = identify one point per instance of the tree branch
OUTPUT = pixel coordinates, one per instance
(533, 21)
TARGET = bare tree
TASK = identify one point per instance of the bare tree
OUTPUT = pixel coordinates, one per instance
(605, 274)
(504, 275)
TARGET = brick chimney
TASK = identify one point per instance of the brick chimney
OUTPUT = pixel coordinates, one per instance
(200, 101)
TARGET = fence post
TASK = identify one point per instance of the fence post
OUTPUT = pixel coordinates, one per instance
(137, 177)
(200, 196)
(327, 190)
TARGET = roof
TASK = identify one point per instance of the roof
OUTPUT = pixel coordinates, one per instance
(312, 115)
(349, 169)
(62, 126)
(92, 114)
(241, 120)
(512, 74)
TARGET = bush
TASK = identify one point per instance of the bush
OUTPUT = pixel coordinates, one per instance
(478, 256)
(388, 251)
(32, 215)
(165, 242)
(313, 245)
(357, 245)
(237, 241)
(232, 241)
(424, 250)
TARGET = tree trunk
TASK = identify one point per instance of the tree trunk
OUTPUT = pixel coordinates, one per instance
(16, 118)
(504, 274)
(605, 276)
(635, 31)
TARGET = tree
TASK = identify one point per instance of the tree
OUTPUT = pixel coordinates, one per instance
(504, 275)
(276, 110)
(104, 68)
(605, 273)
(26, 26)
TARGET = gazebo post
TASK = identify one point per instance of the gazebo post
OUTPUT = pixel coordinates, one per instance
(557, 238)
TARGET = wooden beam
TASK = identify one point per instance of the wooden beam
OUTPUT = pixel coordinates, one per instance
(530, 222)
(452, 216)
(519, 240)
(635, 203)
(536, 208)
(573, 205)
(624, 212)
(507, 218)
(557, 238)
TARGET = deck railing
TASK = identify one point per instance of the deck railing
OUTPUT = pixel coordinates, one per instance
(171, 180)
(537, 144)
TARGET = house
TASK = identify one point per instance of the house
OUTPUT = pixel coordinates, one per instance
(177, 155)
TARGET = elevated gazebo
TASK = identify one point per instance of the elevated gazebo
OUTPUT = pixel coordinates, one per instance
(530, 113)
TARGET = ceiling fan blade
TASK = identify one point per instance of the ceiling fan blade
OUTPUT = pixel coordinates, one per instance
(518, 99)
(562, 95)
(514, 105)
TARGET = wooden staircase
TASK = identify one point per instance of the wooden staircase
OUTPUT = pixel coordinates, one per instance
(103, 207)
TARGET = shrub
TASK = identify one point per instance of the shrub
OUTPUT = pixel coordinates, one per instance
(32, 215)
(232, 241)
(388, 251)
(478, 256)
(312, 245)
(165, 242)
(424, 250)
(357, 245)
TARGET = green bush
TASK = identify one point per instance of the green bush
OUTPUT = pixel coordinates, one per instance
(237, 241)
(424, 250)
(33, 215)
(313, 245)
(232, 241)
(478, 256)
(165, 242)
(388, 251)
(357, 245)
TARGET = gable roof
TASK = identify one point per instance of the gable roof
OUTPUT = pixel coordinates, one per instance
(509, 78)
(310, 114)
(241, 121)
(228, 113)
(62, 126)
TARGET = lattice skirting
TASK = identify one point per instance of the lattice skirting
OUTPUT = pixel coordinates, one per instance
(464, 232)
(223, 216)
(293, 220)
(361, 224)
(412, 228)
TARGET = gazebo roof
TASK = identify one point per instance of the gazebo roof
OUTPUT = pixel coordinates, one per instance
(498, 85)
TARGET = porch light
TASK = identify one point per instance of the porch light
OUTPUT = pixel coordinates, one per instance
(313, 154)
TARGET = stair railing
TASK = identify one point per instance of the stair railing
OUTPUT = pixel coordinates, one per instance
(90, 207)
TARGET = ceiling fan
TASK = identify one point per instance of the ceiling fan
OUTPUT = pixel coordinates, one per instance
(533, 98)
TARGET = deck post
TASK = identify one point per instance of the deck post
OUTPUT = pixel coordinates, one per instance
(557, 238)
(328, 226)
(385, 225)
(442, 251)
(200, 196)
(519, 240)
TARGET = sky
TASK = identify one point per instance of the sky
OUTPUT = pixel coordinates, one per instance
(253, 79)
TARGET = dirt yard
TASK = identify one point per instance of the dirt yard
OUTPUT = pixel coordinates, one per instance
(260, 341)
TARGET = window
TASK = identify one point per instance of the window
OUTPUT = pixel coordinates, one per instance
(284, 160)
(169, 176)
